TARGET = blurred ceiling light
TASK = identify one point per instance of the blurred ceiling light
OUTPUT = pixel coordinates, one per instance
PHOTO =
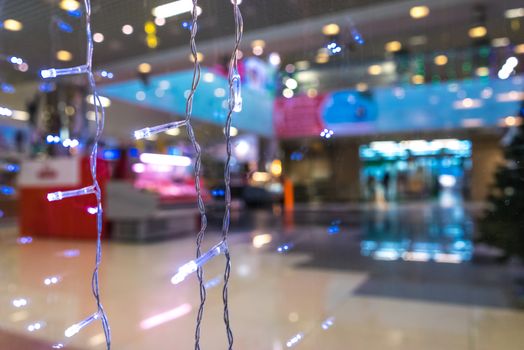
(361, 87)
(418, 40)
(144, 68)
(200, 57)
(393, 46)
(467, 103)
(173, 131)
(331, 29)
(291, 83)
(482, 71)
(127, 29)
(477, 32)
(140, 95)
(69, 5)
(312, 92)
(261, 176)
(322, 56)
(258, 42)
(512, 121)
(274, 59)
(288, 93)
(472, 123)
(106, 102)
(276, 167)
(389, 67)
(511, 96)
(417, 79)
(500, 42)
(258, 50)
(375, 69)
(301, 65)
(208, 77)
(13, 25)
(261, 240)
(98, 37)
(174, 8)
(220, 92)
(514, 13)
(440, 60)
(152, 41)
(63, 55)
(519, 49)
(290, 68)
(419, 12)
(165, 159)
(160, 21)
(233, 131)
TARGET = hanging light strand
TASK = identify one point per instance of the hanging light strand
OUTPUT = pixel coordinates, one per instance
(197, 169)
(95, 187)
(235, 105)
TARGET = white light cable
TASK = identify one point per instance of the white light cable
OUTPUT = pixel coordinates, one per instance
(95, 188)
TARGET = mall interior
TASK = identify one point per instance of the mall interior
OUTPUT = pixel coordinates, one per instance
(264, 175)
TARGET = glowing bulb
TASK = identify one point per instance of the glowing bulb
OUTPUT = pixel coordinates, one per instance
(274, 59)
(417, 79)
(288, 93)
(147, 132)
(160, 21)
(69, 5)
(419, 12)
(200, 57)
(477, 32)
(190, 267)
(236, 98)
(144, 68)
(64, 55)
(440, 60)
(127, 29)
(98, 37)
(291, 83)
(330, 29)
(59, 195)
(393, 46)
(53, 72)
(13, 25)
(375, 69)
(208, 77)
(77, 327)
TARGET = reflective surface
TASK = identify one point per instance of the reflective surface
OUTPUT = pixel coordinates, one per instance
(334, 277)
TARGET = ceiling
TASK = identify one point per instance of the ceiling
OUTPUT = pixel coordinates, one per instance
(291, 27)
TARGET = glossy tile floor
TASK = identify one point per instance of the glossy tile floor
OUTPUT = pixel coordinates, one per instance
(340, 278)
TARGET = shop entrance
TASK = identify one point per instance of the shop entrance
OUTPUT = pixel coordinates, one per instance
(415, 169)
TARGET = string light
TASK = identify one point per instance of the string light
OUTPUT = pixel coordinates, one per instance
(95, 187)
(508, 68)
(77, 327)
(146, 132)
(193, 265)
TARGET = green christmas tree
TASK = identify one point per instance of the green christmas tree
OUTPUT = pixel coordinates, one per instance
(502, 225)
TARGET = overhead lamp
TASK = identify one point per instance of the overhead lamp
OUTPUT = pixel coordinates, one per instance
(200, 57)
(274, 59)
(258, 42)
(174, 8)
(288, 93)
(144, 68)
(331, 29)
(64, 55)
(362, 87)
(291, 83)
(13, 25)
(418, 12)
(321, 59)
(98, 37)
(519, 49)
(500, 42)
(417, 79)
(477, 32)
(69, 5)
(514, 13)
(375, 69)
(127, 29)
(393, 46)
(440, 60)
(482, 71)
(160, 21)
(301, 65)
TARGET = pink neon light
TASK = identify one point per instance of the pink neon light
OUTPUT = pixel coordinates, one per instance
(167, 316)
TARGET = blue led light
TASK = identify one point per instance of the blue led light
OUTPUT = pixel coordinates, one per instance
(7, 190)
(7, 88)
(133, 153)
(75, 13)
(65, 27)
(111, 154)
(284, 247)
